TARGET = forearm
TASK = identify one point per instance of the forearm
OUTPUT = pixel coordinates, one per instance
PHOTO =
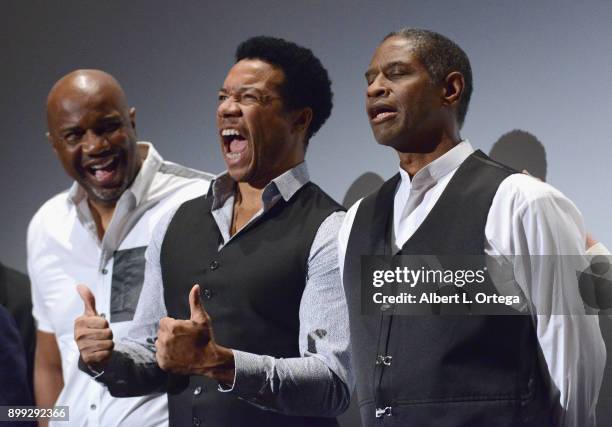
(131, 372)
(48, 383)
(48, 377)
(575, 355)
(302, 386)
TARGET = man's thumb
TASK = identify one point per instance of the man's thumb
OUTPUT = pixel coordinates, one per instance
(88, 300)
(195, 305)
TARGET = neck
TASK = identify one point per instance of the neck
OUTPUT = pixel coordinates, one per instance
(102, 214)
(414, 162)
(248, 195)
(246, 204)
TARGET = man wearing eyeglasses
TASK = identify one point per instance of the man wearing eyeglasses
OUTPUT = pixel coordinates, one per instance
(242, 285)
(97, 233)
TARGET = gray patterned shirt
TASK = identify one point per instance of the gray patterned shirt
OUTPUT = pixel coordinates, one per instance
(318, 383)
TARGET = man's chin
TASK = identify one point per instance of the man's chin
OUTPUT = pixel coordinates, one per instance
(385, 141)
(239, 174)
(105, 196)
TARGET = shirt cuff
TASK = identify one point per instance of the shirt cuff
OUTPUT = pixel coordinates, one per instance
(84, 367)
(249, 374)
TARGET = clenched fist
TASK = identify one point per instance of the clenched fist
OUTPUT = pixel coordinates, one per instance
(92, 333)
(188, 346)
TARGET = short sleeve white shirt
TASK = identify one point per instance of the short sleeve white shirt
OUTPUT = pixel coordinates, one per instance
(64, 250)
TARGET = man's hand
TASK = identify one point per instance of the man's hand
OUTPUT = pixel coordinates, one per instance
(92, 333)
(590, 242)
(188, 346)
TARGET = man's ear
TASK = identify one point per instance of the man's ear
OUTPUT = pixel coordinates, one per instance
(454, 85)
(51, 141)
(302, 120)
(133, 117)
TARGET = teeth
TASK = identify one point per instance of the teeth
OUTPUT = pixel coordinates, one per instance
(233, 156)
(102, 165)
(383, 114)
(230, 132)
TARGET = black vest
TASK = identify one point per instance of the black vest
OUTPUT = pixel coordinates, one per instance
(251, 289)
(443, 371)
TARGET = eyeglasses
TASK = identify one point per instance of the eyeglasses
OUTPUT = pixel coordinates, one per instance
(246, 97)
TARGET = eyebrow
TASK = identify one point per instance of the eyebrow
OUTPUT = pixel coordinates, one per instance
(395, 63)
(111, 117)
(69, 129)
(243, 89)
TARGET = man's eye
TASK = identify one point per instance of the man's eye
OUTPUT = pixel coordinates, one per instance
(111, 127)
(396, 72)
(250, 98)
(73, 137)
(221, 97)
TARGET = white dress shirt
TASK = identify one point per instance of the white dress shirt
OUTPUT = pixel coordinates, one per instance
(527, 217)
(64, 250)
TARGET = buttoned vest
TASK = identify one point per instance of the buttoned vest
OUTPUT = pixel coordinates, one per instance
(251, 289)
(442, 371)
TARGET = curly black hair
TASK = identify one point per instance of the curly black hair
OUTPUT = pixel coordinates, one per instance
(306, 82)
(441, 56)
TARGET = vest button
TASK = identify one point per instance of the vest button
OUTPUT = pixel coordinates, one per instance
(214, 265)
(196, 421)
(383, 360)
(381, 412)
(197, 390)
(207, 293)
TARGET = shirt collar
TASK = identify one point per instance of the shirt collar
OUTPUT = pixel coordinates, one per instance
(139, 187)
(440, 167)
(284, 185)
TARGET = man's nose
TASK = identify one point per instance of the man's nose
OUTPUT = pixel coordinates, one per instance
(94, 143)
(229, 108)
(377, 87)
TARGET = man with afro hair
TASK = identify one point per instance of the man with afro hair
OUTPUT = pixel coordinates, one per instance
(255, 261)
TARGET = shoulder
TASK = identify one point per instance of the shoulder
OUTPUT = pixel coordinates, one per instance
(51, 214)
(522, 192)
(528, 215)
(312, 190)
(176, 183)
(185, 173)
(347, 223)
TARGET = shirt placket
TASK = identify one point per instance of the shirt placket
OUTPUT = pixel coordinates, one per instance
(96, 394)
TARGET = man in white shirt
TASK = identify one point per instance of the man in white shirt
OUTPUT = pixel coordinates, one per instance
(96, 233)
(544, 368)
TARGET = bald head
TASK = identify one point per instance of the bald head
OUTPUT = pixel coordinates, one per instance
(83, 87)
(91, 129)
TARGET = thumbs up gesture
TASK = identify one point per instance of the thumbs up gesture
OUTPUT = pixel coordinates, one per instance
(188, 346)
(92, 332)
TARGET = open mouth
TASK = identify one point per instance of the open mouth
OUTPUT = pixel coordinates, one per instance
(103, 171)
(235, 144)
(381, 113)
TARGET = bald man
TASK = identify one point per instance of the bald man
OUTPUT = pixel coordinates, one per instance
(96, 233)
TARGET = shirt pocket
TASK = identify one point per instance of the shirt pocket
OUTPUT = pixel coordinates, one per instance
(128, 276)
